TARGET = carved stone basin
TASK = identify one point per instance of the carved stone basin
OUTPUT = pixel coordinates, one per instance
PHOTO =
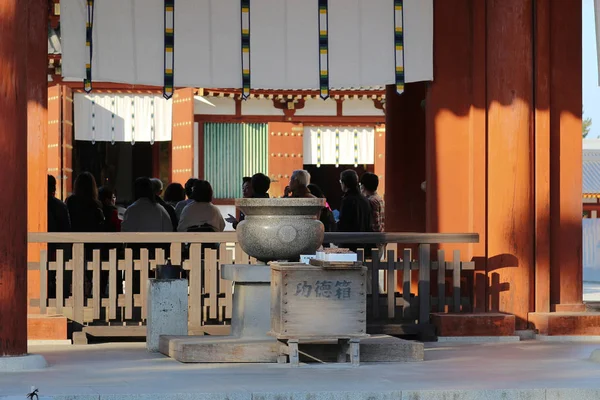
(280, 229)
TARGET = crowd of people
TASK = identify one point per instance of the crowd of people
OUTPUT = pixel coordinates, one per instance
(190, 208)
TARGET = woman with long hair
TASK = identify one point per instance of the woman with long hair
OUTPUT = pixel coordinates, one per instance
(84, 207)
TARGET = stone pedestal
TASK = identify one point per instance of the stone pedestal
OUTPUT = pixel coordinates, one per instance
(250, 322)
(167, 310)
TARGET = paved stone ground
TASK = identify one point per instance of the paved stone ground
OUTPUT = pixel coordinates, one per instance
(524, 370)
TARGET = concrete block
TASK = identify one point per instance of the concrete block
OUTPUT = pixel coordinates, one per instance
(23, 363)
(167, 310)
(499, 394)
(567, 394)
(478, 339)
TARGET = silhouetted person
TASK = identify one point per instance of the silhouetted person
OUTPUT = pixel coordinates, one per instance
(326, 216)
(247, 193)
(201, 212)
(189, 185)
(84, 207)
(58, 221)
(369, 183)
(107, 197)
(355, 211)
(145, 214)
(58, 213)
(158, 188)
(260, 184)
(174, 193)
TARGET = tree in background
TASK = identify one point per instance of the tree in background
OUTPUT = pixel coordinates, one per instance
(586, 125)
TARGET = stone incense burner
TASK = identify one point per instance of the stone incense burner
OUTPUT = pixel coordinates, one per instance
(280, 229)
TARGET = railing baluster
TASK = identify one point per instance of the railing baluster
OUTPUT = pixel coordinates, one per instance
(456, 280)
(210, 262)
(424, 282)
(43, 281)
(78, 281)
(391, 284)
(406, 261)
(112, 284)
(96, 284)
(60, 279)
(129, 284)
(441, 281)
(227, 258)
(176, 253)
(374, 280)
(195, 302)
(144, 264)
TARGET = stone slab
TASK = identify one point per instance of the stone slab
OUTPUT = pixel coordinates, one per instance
(246, 273)
(566, 323)
(46, 327)
(190, 349)
(478, 339)
(483, 324)
(379, 348)
(28, 362)
(167, 310)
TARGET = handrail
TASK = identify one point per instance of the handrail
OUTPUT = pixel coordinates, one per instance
(222, 237)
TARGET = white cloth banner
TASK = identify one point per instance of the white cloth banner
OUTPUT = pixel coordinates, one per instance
(128, 42)
(345, 155)
(135, 118)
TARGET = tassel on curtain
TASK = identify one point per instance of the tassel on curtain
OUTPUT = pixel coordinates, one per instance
(169, 48)
(399, 44)
(323, 49)
(245, 15)
(89, 25)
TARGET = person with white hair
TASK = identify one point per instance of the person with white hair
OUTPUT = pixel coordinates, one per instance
(298, 186)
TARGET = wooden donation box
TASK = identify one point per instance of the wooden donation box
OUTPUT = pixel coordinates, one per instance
(318, 301)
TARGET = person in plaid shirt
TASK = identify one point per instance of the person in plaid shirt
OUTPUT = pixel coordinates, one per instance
(369, 183)
(368, 186)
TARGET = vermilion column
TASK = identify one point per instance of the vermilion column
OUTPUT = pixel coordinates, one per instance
(565, 160)
(405, 158)
(511, 215)
(13, 177)
(456, 133)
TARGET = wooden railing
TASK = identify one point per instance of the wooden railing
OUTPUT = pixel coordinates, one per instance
(96, 258)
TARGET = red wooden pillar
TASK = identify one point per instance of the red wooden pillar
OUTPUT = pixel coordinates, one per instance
(405, 159)
(182, 141)
(37, 135)
(456, 132)
(379, 167)
(565, 157)
(66, 168)
(511, 234)
(13, 177)
(285, 154)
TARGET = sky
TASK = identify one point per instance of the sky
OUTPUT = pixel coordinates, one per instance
(591, 90)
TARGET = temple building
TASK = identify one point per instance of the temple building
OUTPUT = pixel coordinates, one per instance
(481, 100)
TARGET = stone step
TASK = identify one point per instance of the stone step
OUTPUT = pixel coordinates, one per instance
(566, 323)
(376, 348)
(477, 324)
(46, 327)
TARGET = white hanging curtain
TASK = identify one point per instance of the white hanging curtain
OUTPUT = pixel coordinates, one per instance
(122, 118)
(128, 42)
(339, 145)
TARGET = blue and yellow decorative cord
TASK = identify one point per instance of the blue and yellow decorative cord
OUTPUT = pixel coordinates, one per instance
(318, 148)
(89, 25)
(355, 148)
(169, 63)
(399, 44)
(323, 49)
(245, 15)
